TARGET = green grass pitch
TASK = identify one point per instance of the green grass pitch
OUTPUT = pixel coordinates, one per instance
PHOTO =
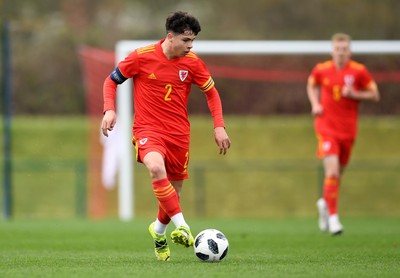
(43, 241)
(370, 247)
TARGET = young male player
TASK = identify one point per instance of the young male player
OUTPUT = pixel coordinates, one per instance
(162, 75)
(335, 89)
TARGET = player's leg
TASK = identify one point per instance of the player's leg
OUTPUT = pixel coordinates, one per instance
(158, 231)
(162, 221)
(154, 163)
(336, 168)
(328, 151)
(182, 234)
(150, 150)
(168, 197)
(331, 192)
(177, 165)
(323, 215)
(331, 182)
(162, 187)
(161, 248)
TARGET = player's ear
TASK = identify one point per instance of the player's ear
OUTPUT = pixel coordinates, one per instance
(170, 36)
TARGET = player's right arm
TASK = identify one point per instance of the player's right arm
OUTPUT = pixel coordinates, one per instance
(313, 92)
(110, 117)
(116, 77)
(108, 123)
(109, 93)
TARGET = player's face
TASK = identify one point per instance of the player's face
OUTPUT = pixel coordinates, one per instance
(341, 52)
(182, 43)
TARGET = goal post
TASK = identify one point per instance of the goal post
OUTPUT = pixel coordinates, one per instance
(124, 95)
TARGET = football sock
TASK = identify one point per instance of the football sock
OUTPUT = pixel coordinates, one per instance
(160, 228)
(162, 216)
(167, 197)
(178, 220)
(331, 193)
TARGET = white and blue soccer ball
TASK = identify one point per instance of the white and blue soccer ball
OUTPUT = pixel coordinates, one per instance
(211, 245)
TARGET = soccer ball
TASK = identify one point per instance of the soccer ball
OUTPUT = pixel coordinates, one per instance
(211, 245)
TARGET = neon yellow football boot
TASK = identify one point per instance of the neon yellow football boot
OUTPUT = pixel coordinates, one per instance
(161, 248)
(182, 236)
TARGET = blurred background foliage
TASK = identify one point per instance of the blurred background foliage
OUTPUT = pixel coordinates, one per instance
(45, 34)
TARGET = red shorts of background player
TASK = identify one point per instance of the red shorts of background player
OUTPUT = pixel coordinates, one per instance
(328, 145)
(176, 158)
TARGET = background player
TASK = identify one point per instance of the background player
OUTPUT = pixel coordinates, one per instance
(334, 90)
(162, 75)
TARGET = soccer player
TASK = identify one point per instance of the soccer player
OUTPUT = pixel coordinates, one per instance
(334, 90)
(162, 75)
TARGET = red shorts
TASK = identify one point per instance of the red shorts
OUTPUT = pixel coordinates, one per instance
(176, 158)
(328, 145)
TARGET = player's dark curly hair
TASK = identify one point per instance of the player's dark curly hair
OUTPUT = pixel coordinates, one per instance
(179, 22)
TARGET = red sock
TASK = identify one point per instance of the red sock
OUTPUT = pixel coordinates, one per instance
(167, 199)
(162, 215)
(331, 193)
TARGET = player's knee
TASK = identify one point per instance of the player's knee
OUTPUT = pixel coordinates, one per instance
(332, 174)
(157, 171)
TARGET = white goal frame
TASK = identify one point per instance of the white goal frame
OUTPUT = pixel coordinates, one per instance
(124, 95)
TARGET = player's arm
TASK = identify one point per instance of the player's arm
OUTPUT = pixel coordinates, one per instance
(370, 93)
(214, 104)
(109, 93)
(313, 92)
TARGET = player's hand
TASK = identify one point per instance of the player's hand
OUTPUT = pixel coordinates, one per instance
(108, 123)
(347, 91)
(222, 139)
(317, 110)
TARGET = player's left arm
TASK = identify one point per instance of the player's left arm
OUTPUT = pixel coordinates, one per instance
(206, 84)
(313, 93)
(214, 104)
(368, 89)
(369, 93)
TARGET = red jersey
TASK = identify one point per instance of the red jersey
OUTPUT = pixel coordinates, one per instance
(340, 114)
(161, 90)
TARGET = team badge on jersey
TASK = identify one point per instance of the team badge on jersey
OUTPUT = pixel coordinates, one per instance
(183, 74)
(348, 80)
(326, 146)
(143, 141)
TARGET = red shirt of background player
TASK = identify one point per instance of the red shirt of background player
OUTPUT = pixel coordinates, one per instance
(339, 119)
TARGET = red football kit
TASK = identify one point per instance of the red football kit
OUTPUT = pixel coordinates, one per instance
(336, 128)
(161, 91)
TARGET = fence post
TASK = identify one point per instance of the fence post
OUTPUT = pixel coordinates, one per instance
(320, 181)
(7, 115)
(199, 190)
(80, 189)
